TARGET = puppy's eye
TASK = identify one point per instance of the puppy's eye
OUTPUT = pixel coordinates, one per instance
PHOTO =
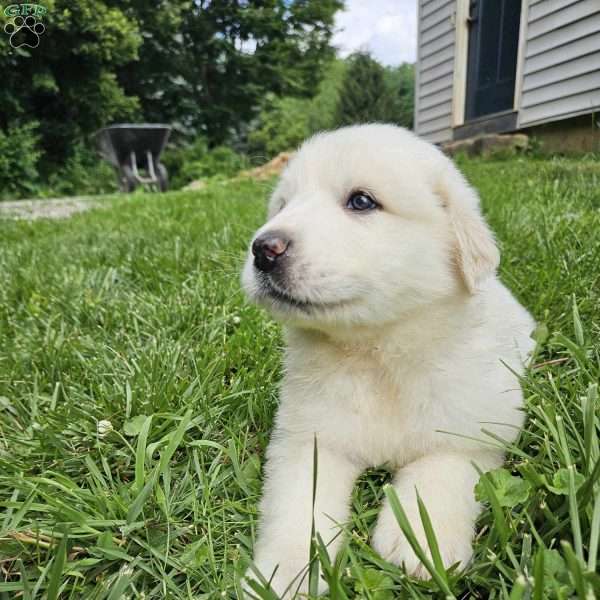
(361, 201)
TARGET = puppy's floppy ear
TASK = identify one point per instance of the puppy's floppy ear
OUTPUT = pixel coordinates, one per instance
(477, 255)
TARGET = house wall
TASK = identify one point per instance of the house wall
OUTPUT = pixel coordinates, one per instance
(435, 69)
(561, 73)
(560, 67)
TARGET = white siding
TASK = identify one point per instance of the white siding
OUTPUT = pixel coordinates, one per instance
(561, 69)
(561, 77)
(435, 70)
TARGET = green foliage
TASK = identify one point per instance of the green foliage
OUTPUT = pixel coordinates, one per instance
(375, 584)
(207, 65)
(134, 426)
(134, 315)
(195, 161)
(324, 104)
(372, 93)
(247, 73)
(400, 83)
(561, 481)
(284, 122)
(507, 489)
(363, 95)
(68, 83)
(282, 125)
(84, 173)
(204, 66)
(352, 91)
(19, 157)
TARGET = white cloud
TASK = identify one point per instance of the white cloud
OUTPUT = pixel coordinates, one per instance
(386, 28)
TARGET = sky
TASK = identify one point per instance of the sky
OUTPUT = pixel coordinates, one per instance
(386, 28)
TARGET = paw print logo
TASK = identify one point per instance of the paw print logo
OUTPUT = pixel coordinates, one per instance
(24, 31)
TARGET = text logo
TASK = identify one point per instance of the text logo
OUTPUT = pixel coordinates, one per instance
(25, 26)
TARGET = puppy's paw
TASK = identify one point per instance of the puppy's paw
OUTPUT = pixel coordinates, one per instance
(454, 542)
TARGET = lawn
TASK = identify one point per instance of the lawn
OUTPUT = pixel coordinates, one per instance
(137, 392)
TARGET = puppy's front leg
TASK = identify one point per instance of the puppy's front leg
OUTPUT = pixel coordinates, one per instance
(283, 544)
(445, 483)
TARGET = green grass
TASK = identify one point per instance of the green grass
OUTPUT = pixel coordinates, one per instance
(134, 315)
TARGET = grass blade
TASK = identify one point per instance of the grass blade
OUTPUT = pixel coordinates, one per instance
(497, 513)
(594, 534)
(577, 326)
(574, 514)
(538, 576)
(140, 455)
(590, 435)
(313, 567)
(25, 581)
(519, 587)
(574, 569)
(122, 583)
(409, 533)
(174, 442)
(58, 565)
(136, 506)
(434, 548)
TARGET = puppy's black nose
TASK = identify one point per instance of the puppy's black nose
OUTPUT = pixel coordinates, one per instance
(268, 249)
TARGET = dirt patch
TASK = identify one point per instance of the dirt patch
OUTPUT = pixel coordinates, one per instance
(195, 185)
(30, 210)
(268, 170)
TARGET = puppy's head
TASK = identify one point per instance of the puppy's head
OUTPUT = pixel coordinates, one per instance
(365, 224)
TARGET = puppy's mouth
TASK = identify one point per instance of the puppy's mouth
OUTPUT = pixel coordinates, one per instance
(285, 298)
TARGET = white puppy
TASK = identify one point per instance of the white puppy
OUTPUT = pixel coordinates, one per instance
(379, 263)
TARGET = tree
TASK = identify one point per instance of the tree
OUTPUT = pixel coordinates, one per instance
(204, 65)
(364, 95)
(284, 122)
(67, 84)
(371, 92)
(400, 82)
(208, 65)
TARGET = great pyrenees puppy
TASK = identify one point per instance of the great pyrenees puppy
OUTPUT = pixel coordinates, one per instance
(402, 345)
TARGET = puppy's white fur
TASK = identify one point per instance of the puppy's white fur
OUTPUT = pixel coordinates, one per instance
(400, 331)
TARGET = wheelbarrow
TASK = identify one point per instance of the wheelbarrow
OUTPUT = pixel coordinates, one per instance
(134, 150)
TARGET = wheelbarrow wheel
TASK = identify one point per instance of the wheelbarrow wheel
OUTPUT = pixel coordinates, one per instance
(162, 176)
(127, 180)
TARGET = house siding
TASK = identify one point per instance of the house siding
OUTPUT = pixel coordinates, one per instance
(561, 75)
(435, 70)
(560, 67)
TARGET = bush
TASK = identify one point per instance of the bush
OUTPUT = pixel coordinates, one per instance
(195, 161)
(22, 177)
(84, 173)
(284, 122)
(19, 156)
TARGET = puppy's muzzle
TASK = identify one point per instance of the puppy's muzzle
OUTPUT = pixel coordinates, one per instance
(269, 248)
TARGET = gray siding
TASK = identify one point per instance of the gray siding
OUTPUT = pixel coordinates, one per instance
(561, 76)
(435, 70)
